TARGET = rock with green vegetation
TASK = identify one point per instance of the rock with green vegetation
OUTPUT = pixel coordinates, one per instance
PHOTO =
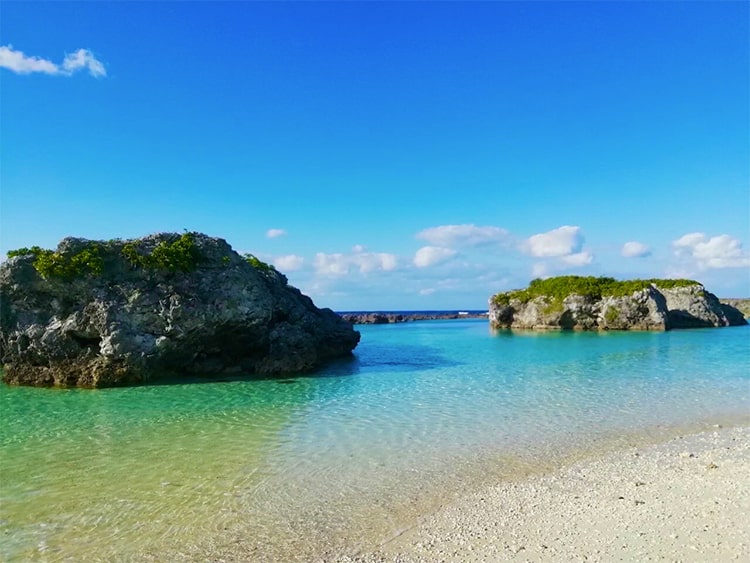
(122, 312)
(603, 303)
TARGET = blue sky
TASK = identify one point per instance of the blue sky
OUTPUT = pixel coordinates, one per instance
(388, 155)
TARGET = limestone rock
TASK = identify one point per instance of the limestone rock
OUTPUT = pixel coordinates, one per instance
(694, 307)
(138, 320)
(643, 310)
(741, 306)
(650, 307)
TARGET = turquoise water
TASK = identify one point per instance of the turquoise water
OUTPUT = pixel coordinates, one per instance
(288, 469)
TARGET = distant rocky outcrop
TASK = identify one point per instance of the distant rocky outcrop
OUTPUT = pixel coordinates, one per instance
(377, 318)
(742, 305)
(97, 314)
(589, 303)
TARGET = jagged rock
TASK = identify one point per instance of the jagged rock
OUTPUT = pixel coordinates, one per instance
(135, 320)
(694, 307)
(650, 307)
(734, 316)
(738, 305)
(643, 310)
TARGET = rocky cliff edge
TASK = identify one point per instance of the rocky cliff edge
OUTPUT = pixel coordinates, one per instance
(99, 314)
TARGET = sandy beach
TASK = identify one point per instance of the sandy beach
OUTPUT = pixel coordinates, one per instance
(687, 499)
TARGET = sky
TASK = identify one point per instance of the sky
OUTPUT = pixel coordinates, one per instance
(388, 156)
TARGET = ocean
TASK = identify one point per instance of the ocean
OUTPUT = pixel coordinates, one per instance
(321, 465)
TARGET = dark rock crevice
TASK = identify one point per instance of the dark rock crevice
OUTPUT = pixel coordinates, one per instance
(92, 343)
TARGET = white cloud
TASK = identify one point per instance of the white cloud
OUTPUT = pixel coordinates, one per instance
(275, 233)
(83, 58)
(555, 243)
(289, 263)
(717, 252)
(577, 259)
(689, 240)
(462, 235)
(561, 248)
(357, 248)
(331, 264)
(20, 63)
(427, 291)
(432, 255)
(338, 264)
(634, 249)
(382, 261)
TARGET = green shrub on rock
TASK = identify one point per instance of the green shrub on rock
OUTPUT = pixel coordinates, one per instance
(52, 264)
(611, 315)
(181, 255)
(558, 288)
(258, 264)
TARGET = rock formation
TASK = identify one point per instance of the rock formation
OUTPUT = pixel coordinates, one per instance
(98, 314)
(379, 318)
(742, 305)
(586, 303)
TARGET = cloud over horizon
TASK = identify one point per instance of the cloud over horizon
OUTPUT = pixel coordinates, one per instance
(275, 233)
(634, 249)
(364, 279)
(462, 235)
(289, 262)
(18, 62)
(722, 251)
(432, 255)
(555, 243)
(338, 264)
(561, 248)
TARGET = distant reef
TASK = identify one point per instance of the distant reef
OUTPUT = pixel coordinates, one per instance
(602, 303)
(122, 312)
(378, 318)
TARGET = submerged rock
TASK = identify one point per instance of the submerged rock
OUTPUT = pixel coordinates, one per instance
(99, 314)
(587, 303)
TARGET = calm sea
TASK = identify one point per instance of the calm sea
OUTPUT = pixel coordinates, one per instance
(289, 469)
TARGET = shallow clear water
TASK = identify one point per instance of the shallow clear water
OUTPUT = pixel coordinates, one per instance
(285, 469)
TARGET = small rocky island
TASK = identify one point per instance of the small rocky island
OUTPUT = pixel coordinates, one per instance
(123, 312)
(602, 303)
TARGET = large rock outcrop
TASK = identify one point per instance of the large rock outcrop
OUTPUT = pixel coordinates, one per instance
(99, 314)
(580, 303)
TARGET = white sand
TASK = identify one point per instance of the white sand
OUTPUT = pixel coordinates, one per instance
(684, 500)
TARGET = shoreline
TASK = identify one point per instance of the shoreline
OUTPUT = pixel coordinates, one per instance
(492, 511)
(686, 498)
